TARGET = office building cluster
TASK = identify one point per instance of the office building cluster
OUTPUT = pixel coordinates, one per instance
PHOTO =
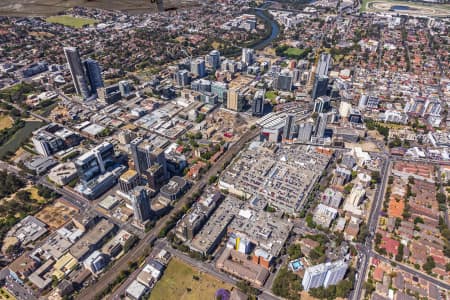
(52, 138)
(98, 170)
(86, 75)
(248, 229)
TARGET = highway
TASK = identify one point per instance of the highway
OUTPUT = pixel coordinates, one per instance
(136, 252)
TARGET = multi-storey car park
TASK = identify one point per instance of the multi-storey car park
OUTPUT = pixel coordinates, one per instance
(283, 175)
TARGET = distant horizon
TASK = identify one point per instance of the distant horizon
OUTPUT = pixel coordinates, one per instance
(20, 8)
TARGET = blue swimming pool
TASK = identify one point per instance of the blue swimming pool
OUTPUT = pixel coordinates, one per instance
(296, 265)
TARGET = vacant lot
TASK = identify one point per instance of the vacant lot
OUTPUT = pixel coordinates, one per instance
(5, 121)
(53, 7)
(178, 283)
(56, 215)
(70, 21)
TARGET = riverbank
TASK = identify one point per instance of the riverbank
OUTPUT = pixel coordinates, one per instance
(274, 29)
(271, 34)
(19, 137)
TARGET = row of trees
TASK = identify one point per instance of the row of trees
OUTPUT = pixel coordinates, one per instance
(339, 290)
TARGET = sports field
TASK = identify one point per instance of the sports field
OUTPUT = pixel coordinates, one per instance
(180, 281)
(70, 21)
(406, 7)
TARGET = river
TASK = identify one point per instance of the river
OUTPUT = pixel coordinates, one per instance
(275, 29)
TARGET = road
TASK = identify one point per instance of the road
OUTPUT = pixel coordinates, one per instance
(205, 267)
(367, 251)
(413, 271)
(372, 224)
(69, 195)
(442, 191)
(11, 169)
(136, 252)
(22, 110)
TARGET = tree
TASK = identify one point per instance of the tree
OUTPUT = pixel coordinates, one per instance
(212, 179)
(375, 176)
(348, 188)
(369, 287)
(309, 221)
(24, 196)
(399, 256)
(317, 253)
(441, 198)
(9, 184)
(294, 251)
(47, 193)
(398, 222)
(363, 233)
(287, 284)
(54, 281)
(378, 237)
(247, 289)
(391, 179)
(418, 220)
(343, 288)
(200, 118)
(429, 265)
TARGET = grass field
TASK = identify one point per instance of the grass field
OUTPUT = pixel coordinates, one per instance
(70, 21)
(271, 95)
(364, 5)
(35, 195)
(5, 122)
(293, 51)
(178, 283)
